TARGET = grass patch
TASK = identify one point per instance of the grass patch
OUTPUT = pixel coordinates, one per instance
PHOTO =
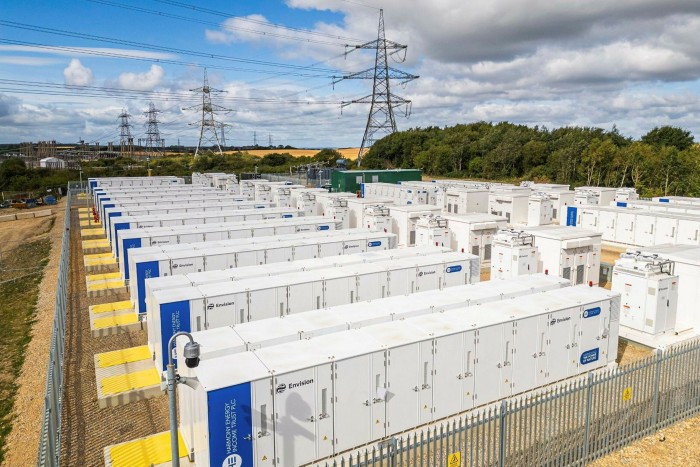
(18, 300)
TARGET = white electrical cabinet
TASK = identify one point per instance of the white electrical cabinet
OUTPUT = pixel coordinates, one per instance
(686, 262)
(356, 208)
(166, 260)
(404, 219)
(377, 218)
(649, 292)
(625, 194)
(466, 200)
(401, 194)
(334, 205)
(540, 209)
(432, 231)
(232, 302)
(514, 254)
(511, 204)
(595, 195)
(131, 239)
(568, 252)
(474, 233)
(677, 200)
(298, 402)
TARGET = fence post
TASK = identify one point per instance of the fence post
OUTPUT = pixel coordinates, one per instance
(502, 435)
(589, 398)
(657, 389)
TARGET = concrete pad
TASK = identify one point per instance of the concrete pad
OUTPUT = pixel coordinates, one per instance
(24, 215)
(8, 218)
(44, 213)
(150, 451)
(115, 324)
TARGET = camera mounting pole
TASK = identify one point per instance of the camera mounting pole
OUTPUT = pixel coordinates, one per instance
(191, 356)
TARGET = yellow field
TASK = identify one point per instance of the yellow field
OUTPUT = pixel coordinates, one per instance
(348, 153)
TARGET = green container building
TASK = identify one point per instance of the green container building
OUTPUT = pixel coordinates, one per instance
(351, 180)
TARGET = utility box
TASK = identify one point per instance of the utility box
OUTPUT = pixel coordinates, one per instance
(356, 209)
(596, 195)
(404, 219)
(466, 200)
(539, 209)
(334, 205)
(568, 252)
(377, 218)
(625, 194)
(351, 180)
(649, 292)
(686, 259)
(401, 194)
(511, 204)
(514, 254)
(473, 233)
(432, 231)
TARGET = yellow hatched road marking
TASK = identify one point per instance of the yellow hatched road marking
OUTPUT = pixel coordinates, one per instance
(119, 320)
(136, 380)
(145, 452)
(119, 357)
(113, 306)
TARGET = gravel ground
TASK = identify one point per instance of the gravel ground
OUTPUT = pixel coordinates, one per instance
(23, 440)
(87, 429)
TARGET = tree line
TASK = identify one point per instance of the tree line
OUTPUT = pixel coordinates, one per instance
(665, 161)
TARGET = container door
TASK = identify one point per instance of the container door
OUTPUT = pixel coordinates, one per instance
(354, 246)
(403, 385)
(339, 291)
(266, 303)
(427, 278)
(324, 410)
(447, 375)
(506, 366)
(398, 283)
(369, 286)
(245, 258)
(269, 231)
(574, 339)
(425, 402)
(278, 255)
(190, 238)
(240, 233)
(558, 344)
(305, 252)
(302, 297)
(354, 396)
(524, 357)
(295, 417)
(378, 388)
(456, 273)
(216, 262)
(222, 311)
(215, 236)
(467, 374)
(334, 249)
(488, 363)
(262, 414)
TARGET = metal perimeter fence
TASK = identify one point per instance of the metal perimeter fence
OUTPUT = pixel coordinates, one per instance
(572, 423)
(316, 178)
(50, 437)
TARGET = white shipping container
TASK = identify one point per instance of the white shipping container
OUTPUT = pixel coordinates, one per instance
(335, 392)
(228, 303)
(466, 200)
(356, 209)
(432, 230)
(596, 195)
(404, 219)
(514, 254)
(377, 218)
(474, 233)
(511, 204)
(539, 209)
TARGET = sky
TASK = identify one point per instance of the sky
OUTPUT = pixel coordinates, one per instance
(68, 68)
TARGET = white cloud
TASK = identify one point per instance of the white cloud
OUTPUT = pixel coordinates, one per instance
(87, 51)
(145, 81)
(76, 74)
(27, 61)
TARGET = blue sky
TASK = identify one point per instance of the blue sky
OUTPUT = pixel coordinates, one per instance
(634, 65)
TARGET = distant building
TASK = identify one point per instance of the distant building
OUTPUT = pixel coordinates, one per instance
(52, 163)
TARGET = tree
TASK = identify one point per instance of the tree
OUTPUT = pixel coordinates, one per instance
(669, 136)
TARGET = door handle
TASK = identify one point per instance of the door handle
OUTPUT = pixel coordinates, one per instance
(415, 388)
(248, 438)
(425, 386)
(311, 419)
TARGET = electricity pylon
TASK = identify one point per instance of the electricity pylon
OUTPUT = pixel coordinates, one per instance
(382, 101)
(126, 141)
(208, 126)
(152, 141)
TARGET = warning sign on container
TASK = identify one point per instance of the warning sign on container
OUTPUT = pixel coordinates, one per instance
(454, 459)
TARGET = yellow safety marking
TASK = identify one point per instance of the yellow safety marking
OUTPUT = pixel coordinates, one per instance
(113, 306)
(100, 261)
(145, 452)
(96, 242)
(127, 382)
(92, 231)
(119, 357)
(627, 394)
(454, 459)
(89, 223)
(119, 320)
(98, 256)
(106, 285)
(103, 277)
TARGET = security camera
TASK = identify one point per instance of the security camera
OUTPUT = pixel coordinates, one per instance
(191, 354)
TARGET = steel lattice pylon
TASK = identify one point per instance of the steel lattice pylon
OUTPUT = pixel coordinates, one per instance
(208, 132)
(153, 142)
(126, 141)
(382, 101)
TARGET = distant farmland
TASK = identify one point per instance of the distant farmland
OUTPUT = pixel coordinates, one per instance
(348, 153)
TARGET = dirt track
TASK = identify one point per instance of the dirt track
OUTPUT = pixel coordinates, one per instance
(86, 428)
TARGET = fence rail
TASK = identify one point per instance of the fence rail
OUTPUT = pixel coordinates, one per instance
(50, 439)
(572, 423)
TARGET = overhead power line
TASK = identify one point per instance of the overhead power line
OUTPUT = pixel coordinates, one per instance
(220, 25)
(60, 32)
